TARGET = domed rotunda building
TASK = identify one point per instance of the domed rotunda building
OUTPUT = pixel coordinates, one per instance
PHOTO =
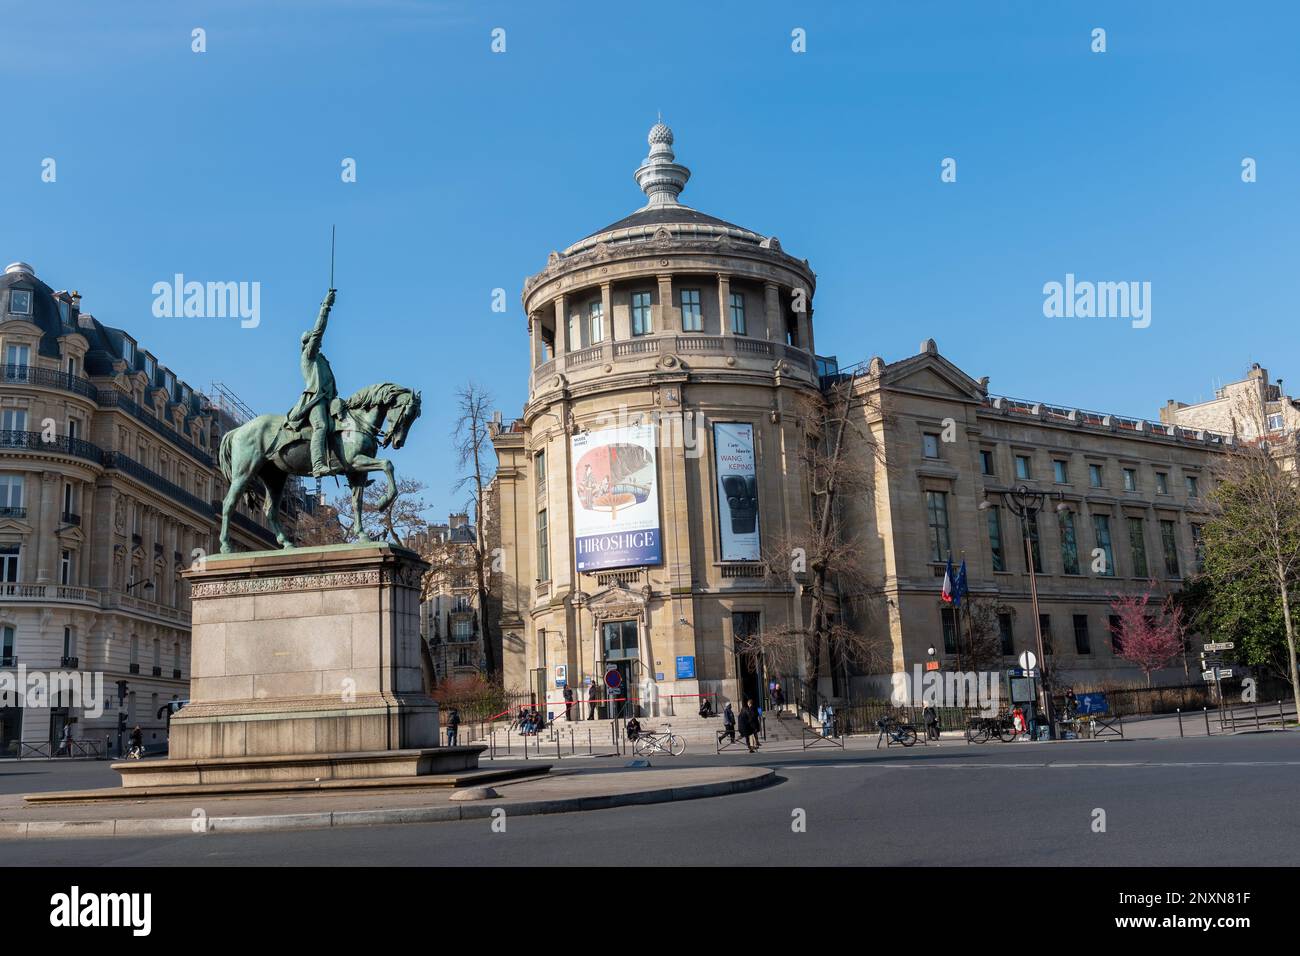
(656, 461)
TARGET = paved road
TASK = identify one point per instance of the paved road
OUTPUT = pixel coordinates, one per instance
(1221, 801)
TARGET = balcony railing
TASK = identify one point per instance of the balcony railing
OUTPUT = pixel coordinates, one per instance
(73, 662)
(129, 466)
(49, 378)
(71, 519)
(112, 398)
(59, 444)
(48, 593)
(19, 513)
(133, 668)
(157, 671)
(684, 343)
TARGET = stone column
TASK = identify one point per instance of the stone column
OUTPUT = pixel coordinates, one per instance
(47, 542)
(535, 338)
(562, 343)
(607, 308)
(775, 328)
(669, 318)
(724, 302)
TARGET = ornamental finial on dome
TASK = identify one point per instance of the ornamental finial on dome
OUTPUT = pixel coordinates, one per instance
(659, 176)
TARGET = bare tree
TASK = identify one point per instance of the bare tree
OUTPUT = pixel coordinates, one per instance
(321, 526)
(822, 557)
(401, 522)
(473, 446)
(983, 640)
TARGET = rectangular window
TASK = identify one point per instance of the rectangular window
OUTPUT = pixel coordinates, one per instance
(948, 618)
(539, 473)
(7, 647)
(18, 358)
(1022, 466)
(128, 353)
(1069, 546)
(65, 568)
(1169, 541)
(640, 313)
(1137, 543)
(1116, 644)
(1198, 547)
(11, 492)
(931, 445)
(1130, 479)
(1094, 475)
(1275, 423)
(1082, 642)
(692, 318)
(986, 462)
(543, 549)
(20, 302)
(936, 503)
(9, 555)
(1045, 626)
(596, 322)
(1162, 483)
(1061, 471)
(1101, 532)
(69, 643)
(621, 640)
(14, 420)
(1193, 488)
(738, 314)
(1005, 633)
(995, 539)
(1034, 547)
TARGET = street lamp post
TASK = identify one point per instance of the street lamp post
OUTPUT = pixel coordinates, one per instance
(1026, 503)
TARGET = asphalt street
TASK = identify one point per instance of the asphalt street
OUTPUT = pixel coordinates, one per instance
(1195, 802)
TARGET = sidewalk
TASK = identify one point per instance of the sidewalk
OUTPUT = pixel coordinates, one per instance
(561, 791)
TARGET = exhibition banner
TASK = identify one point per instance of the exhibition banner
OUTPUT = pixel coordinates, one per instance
(615, 498)
(733, 452)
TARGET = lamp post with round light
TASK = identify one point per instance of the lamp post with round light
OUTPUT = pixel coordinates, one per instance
(1026, 503)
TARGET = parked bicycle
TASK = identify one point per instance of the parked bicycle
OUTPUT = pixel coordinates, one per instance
(897, 731)
(648, 743)
(1001, 727)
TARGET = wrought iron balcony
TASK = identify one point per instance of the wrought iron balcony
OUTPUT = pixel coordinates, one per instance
(49, 378)
(19, 513)
(112, 398)
(117, 461)
(59, 445)
(133, 668)
(73, 662)
(69, 518)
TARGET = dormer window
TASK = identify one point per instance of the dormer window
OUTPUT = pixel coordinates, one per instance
(169, 383)
(128, 352)
(20, 302)
(149, 368)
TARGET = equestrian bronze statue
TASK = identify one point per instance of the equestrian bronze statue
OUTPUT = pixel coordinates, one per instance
(321, 435)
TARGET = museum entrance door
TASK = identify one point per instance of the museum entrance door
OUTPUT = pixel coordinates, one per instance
(622, 651)
(749, 658)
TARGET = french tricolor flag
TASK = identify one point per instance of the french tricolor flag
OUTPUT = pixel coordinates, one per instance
(948, 586)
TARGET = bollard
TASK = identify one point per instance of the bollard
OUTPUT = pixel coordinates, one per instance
(557, 746)
(588, 741)
(1180, 721)
(1206, 712)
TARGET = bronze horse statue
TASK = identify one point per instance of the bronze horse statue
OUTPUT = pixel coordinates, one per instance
(269, 450)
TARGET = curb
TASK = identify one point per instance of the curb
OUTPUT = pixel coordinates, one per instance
(348, 818)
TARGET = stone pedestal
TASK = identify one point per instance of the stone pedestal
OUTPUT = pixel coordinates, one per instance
(301, 652)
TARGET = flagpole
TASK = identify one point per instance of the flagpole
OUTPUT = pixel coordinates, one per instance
(970, 624)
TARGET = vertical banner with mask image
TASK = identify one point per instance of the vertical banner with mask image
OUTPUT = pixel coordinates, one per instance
(734, 459)
(616, 499)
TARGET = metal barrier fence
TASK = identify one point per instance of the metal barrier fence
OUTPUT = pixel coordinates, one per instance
(92, 749)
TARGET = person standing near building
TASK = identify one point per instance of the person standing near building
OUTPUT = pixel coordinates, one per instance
(749, 726)
(593, 697)
(453, 727)
(568, 702)
(931, 717)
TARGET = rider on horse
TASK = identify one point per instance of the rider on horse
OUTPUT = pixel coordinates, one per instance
(316, 404)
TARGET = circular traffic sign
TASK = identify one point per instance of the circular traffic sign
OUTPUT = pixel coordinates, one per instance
(1028, 660)
(613, 678)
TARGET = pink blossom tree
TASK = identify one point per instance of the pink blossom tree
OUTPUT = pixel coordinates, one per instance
(1148, 638)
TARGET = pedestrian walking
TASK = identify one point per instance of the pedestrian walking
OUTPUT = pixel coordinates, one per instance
(778, 698)
(65, 745)
(728, 724)
(453, 727)
(568, 701)
(593, 698)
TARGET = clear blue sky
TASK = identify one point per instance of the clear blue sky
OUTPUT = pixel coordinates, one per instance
(472, 166)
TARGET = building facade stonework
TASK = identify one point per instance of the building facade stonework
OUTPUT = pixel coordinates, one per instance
(699, 332)
(108, 491)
